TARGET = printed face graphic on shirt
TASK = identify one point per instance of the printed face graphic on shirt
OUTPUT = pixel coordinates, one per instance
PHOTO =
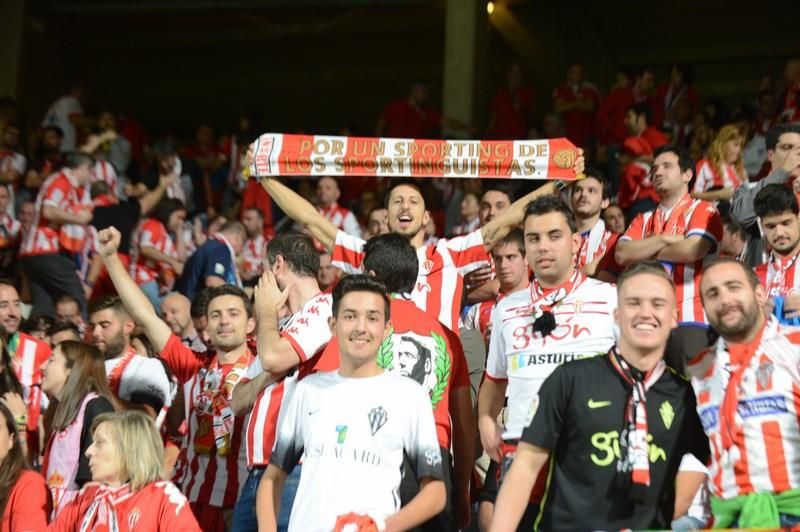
(413, 359)
(418, 357)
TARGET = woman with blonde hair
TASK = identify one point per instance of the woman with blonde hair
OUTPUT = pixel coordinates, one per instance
(127, 491)
(74, 377)
(722, 171)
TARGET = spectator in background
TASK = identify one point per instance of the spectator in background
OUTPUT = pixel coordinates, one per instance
(611, 128)
(255, 247)
(791, 98)
(511, 107)
(638, 121)
(215, 262)
(327, 196)
(328, 274)
(670, 95)
(66, 113)
(68, 309)
(777, 210)
(636, 191)
(48, 253)
(588, 197)
(50, 159)
(175, 309)
(577, 101)
(210, 158)
(754, 152)
(12, 162)
(723, 171)
(470, 215)
(614, 218)
(9, 234)
(733, 240)
(25, 215)
(377, 223)
(412, 118)
(766, 111)
(116, 151)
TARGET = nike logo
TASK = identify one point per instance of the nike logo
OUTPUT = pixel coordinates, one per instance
(598, 404)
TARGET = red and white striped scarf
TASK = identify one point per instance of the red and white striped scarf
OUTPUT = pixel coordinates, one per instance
(101, 515)
(633, 466)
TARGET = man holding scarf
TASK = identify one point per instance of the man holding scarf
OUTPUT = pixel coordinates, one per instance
(215, 449)
(748, 396)
(615, 427)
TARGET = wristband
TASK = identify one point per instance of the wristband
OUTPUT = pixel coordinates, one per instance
(22, 422)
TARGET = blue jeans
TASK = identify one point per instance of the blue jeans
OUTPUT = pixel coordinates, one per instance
(150, 289)
(287, 498)
(244, 513)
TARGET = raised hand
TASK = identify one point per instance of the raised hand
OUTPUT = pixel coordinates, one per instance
(108, 240)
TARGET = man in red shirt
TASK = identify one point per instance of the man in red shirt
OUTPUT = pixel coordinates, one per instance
(638, 121)
(412, 118)
(510, 108)
(588, 198)
(327, 204)
(215, 452)
(50, 249)
(611, 114)
(577, 101)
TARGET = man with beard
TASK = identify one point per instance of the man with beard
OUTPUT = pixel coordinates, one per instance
(748, 397)
(777, 210)
(138, 381)
(27, 356)
(614, 427)
(588, 198)
(215, 452)
(563, 316)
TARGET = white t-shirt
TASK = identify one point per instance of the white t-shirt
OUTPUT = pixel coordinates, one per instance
(584, 327)
(58, 115)
(352, 434)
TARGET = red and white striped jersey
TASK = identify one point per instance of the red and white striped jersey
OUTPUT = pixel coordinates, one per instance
(9, 231)
(210, 478)
(748, 398)
(595, 243)
(688, 218)
(708, 177)
(153, 234)
(342, 218)
(779, 275)
(60, 190)
(27, 356)
(104, 171)
(254, 254)
(442, 267)
(11, 160)
(308, 332)
(479, 316)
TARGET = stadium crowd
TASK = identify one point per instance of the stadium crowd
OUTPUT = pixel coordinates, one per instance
(617, 352)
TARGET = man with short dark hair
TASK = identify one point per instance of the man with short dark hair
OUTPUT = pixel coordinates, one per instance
(734, 239)
(50, 249)
(747, 388)
(680, 233)
(563, 316)
(255, 247)
(328, 194)
(614, 427)
(638, 121)
(286, 348)
(422, 349)
(361, 411)
(783, 153)
(137, 380)
(215, 452)
(777, 210)
(214, 263)
(588, 198)
(62, 331)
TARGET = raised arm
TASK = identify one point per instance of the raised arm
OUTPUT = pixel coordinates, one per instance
(498, 228)
(276, 353)
(152, 197)
(629, 251)
(134, 299)
(300, 210)
(690, 249)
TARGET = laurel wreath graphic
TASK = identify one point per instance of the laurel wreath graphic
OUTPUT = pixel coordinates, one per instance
(442, 369)
(385, 353)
